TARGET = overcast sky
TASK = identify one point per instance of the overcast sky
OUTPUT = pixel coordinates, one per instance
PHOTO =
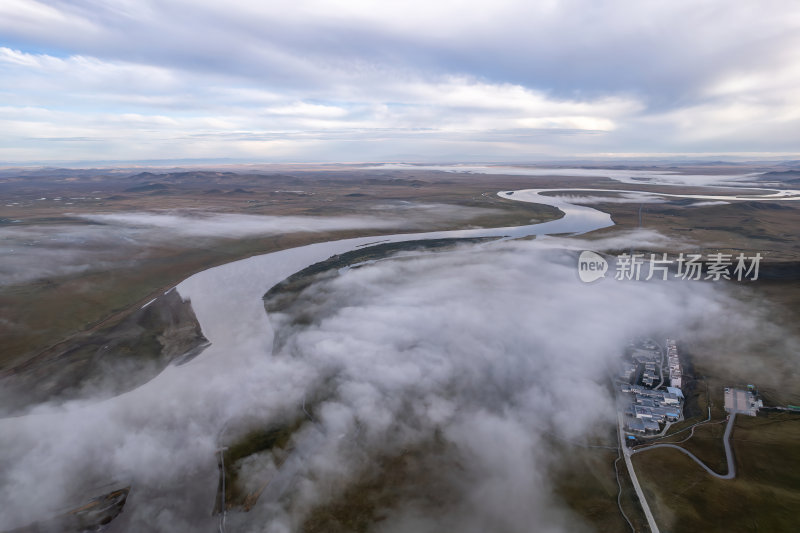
(413, 80)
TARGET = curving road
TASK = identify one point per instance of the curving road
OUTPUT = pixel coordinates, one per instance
(691, 434)
(619, 493)
(626, 453)
(726, 441)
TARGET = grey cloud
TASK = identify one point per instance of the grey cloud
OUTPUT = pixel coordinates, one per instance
(647, 48)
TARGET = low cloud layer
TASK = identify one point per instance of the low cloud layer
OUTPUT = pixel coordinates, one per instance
(119, 240)
(495, 348)
(234, 225)
(618, 199)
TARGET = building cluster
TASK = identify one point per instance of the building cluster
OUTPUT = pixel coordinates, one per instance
(650, 407)
(675, 370)
(641, 379)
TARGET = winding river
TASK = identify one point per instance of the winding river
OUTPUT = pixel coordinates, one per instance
(227, 298)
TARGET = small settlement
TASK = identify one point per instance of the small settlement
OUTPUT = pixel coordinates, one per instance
(650, 381)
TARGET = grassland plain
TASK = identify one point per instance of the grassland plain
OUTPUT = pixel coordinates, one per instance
(764, 496)
(32, 317)
(683, 496)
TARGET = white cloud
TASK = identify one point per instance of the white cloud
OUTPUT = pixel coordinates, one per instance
(121, 240)
(510, 78)
(497, 343)
(38, 18)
